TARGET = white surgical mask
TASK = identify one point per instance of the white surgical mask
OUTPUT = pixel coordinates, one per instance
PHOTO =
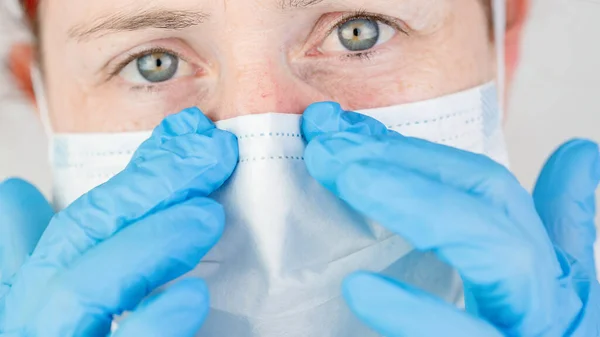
(468, 120)
(288, 242)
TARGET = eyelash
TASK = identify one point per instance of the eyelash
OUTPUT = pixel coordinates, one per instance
(359, 56)
(134, 56)
(363, 14)
(357, 15)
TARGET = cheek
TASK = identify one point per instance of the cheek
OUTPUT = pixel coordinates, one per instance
(378, 86)
(144, 109)
(455, 56)
(370, 93)
(114, 109)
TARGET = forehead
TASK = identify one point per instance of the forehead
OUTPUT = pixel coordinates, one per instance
(72, 17)
(86, 10)
(279, 4)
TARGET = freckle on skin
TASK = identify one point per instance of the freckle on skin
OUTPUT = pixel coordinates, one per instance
(403, 86)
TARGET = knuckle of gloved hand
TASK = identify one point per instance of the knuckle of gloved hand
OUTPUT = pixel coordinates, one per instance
(212, 144)
(190, 143)
(191, 155)
(175, 177)
(210, 216)
(211, 212)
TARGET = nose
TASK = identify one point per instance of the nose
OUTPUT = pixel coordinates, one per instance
(260, 84)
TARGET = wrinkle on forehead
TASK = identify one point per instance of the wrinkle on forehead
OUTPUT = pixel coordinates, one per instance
(290, 4)
(425, 14)
(419, 14)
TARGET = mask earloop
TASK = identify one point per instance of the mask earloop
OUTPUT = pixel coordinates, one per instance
(40, 98)
(499, 10)
(42, 104)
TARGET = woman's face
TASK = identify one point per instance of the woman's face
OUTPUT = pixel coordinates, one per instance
(122, 65)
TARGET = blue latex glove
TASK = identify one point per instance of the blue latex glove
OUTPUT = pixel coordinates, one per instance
(474, 215)
(108, 250)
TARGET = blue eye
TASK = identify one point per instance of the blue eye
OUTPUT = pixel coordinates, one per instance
(158, 67)
(359, 34)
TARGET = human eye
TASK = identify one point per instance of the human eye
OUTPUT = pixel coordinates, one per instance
(358, 34)
(154, 66)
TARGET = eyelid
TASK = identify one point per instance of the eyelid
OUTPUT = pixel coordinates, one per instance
(175, 47)
(361, 14)
(134, 56)
(324, 27)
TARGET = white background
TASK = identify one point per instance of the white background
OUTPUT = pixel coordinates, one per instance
(556, 95)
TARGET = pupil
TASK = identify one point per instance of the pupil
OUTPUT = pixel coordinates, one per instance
(359, 34)
(158, 67)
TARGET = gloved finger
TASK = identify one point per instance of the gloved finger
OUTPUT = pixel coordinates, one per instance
(328, 117)
(565, 199)
(340, 137)
(329, 154)
(488, 250)
(395, 309)
(117, 274)
(321, 122)
(178, 311)
(24, 215)
(185, 157)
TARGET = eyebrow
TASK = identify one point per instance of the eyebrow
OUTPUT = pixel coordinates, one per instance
(153, 18)
(293, 4)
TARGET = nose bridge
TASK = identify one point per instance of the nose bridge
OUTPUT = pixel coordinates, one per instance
(257, 85)
(255, 78)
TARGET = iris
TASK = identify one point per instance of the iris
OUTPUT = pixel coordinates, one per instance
(158, 67)
(359, 34)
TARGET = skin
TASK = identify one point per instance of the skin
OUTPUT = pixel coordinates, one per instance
(275, 60)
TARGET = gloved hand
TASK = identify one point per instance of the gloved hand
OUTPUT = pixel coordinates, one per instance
(474, 215)
(109, 249)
